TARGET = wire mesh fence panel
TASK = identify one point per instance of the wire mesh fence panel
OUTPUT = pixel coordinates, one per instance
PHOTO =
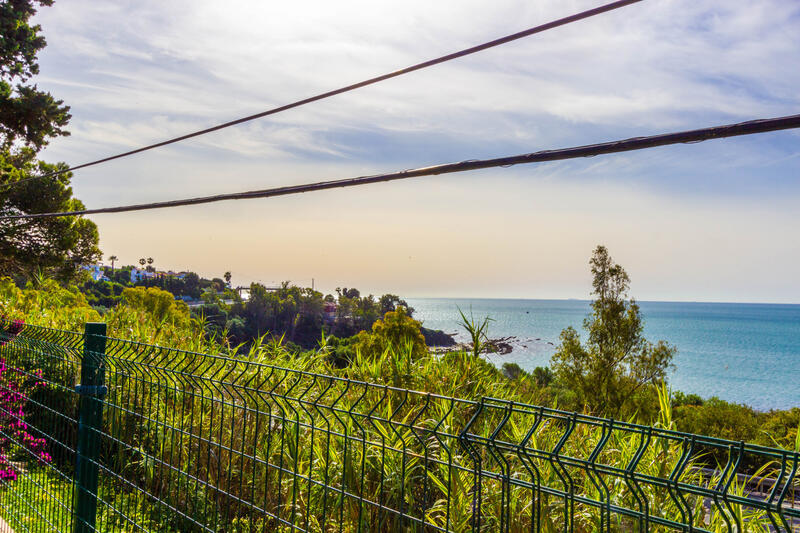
(197, 442)
(38, 427)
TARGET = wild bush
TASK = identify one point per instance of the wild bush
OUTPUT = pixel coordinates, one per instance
(16, 386)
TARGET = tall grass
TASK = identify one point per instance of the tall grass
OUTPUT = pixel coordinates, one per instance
(272, 441)
(269, 440)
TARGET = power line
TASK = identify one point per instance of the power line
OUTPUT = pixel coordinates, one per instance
(419, 66)
(626, 145)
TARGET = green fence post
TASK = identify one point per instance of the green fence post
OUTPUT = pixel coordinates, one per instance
(90, 423)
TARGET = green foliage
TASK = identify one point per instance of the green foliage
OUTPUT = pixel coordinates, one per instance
(512, 370)
(291, 311)
(48, 304)
(21, 41)
(396, 329)
(121, 275)
(28, 118)
(719, 418)
(736, 421)
(27, 115)
(53, 246)
(161, 305)
(390, 302)
(341, 351)
(477, 330)
(191, 285)
(236, 327)
(299, 314)
(543, 376)
(214, 318)
(210, 296)
(781, 428)
(103, 293)
(679, 399)
(354, 313)
(609, 374)
(148, 315)
(457, 374)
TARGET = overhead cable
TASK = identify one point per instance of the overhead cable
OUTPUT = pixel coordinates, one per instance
(626, 145)
(419, 66)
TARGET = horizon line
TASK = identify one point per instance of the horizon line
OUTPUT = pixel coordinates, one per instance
(590, 300)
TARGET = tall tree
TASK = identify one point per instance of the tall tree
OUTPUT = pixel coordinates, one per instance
(617, 361)
(54, 247)
(390, 302)
(29, 118)
(113, 259)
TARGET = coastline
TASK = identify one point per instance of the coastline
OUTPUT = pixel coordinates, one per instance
(742, 353)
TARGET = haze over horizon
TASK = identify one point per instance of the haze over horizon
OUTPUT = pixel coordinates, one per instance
(716, 221)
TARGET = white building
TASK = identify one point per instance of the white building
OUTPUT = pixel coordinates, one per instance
(139, 274)
(96, 271)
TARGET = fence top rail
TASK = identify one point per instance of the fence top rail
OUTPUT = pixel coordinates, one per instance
(227, 369)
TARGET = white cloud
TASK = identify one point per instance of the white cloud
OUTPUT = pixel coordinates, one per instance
(647, 64)
(139, 72)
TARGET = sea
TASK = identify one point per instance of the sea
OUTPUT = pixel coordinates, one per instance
(743, 353)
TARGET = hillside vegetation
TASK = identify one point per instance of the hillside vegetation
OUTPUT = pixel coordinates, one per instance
(392, 352)
(151, 315)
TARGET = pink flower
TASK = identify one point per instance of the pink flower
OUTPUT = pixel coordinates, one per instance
(15, 386)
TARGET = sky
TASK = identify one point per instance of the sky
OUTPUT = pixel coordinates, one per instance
(715, 221)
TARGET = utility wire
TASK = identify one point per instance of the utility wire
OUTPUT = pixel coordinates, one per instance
(419, 66)
(626, 145)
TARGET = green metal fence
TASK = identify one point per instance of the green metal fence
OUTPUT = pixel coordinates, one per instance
(144, 438)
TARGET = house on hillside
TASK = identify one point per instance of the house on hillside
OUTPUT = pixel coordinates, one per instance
(139, 274)
(97, 271)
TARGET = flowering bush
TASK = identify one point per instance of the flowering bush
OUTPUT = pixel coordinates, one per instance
(15, 388)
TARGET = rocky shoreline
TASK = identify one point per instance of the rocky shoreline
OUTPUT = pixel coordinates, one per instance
(498, 346)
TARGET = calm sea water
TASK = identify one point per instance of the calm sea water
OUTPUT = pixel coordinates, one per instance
(745, 353)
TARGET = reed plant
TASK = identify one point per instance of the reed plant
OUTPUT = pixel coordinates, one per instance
(201, 436)
(280, 441)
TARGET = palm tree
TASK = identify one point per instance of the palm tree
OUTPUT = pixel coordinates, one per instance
(227, 277)
(113, 258)
(142, 261)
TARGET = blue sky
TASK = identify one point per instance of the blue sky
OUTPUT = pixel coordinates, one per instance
(711, 221)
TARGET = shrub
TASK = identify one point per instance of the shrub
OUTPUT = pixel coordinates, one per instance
(47, 304)
(512, 370)
(719, 418)
(162, 305)
(396, 329)
(15, 388)
(679, 399)
(543, 376)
